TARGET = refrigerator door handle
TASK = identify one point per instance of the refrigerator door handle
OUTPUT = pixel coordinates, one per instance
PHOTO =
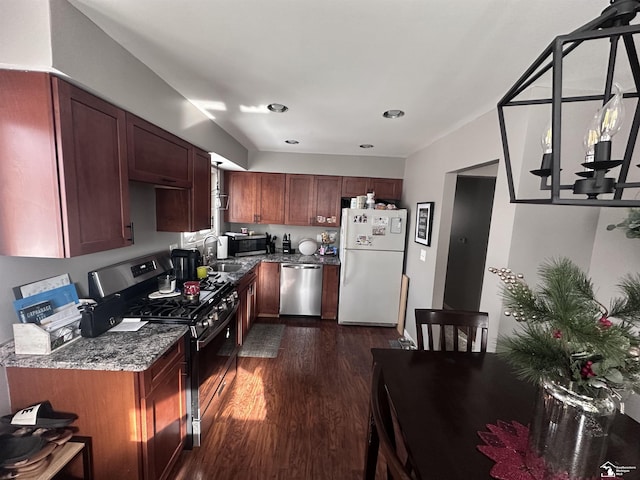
(343, 273)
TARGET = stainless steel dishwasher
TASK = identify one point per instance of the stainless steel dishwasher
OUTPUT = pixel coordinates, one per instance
(300, 289)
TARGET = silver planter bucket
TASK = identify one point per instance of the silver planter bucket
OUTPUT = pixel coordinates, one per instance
(569, 433)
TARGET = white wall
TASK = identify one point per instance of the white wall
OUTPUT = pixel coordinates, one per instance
(430, 176)
(345, 165)
(94, 60)
(522, 236)
(24, 34)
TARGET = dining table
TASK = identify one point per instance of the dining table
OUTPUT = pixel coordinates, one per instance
(444, 401)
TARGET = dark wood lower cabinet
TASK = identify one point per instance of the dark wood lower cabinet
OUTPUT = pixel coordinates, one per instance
(269, 289)
(136, 420)
(330, 288)
(247, 292)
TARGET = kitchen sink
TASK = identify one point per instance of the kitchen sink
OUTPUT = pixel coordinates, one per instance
(226, 267)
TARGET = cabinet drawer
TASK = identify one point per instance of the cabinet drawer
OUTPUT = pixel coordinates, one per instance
(153, 375)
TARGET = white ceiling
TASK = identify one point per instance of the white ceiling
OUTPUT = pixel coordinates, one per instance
(339, 64)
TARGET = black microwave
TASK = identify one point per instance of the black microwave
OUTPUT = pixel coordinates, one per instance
(247, 245)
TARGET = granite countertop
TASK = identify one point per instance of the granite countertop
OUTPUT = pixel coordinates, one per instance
(136, 351)
(113, 351)
(251, 261)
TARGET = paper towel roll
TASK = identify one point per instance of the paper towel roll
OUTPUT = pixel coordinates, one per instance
(223, 247)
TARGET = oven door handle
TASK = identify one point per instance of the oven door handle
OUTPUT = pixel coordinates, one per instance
(200, 344)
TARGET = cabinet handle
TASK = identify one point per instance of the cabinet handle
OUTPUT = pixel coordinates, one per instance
(168, 180)
(132, 237)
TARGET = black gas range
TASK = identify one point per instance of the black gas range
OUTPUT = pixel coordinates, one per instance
(212, 343)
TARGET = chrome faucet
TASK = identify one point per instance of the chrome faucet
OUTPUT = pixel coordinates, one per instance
(207, 256)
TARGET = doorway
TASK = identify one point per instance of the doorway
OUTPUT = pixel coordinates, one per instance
(468, 241)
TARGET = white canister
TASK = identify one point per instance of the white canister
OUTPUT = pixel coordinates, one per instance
(354, 202)
(223, 247)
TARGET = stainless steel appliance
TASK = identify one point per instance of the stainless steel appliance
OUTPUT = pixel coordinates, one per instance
(241, 245)
(300, 289)
(212, 345)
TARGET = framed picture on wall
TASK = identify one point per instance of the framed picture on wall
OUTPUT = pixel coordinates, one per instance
(424, 222)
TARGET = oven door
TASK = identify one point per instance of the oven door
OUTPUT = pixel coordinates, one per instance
(214, 367)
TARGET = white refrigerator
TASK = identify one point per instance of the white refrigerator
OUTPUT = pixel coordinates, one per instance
(371, 257)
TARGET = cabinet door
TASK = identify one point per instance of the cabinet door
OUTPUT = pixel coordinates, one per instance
(270, 198)
(28, 168)
(165, 417)
(187, 210)
(269, 289)
(386, 188)
(242, 188)
(330, 288)
(354, 186)
(93, 171)
(299, 198)
(327, 200)
(156, 156)
(247, 304)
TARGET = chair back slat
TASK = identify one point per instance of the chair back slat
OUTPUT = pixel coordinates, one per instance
(467, 322)
(383, 422)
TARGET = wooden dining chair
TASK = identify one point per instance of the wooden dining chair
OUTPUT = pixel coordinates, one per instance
(452, 322)
(382, 434)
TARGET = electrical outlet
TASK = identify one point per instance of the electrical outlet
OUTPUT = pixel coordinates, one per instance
(173, 246)
(423, 255)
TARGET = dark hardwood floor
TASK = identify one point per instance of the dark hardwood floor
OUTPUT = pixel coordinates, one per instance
(302, 415)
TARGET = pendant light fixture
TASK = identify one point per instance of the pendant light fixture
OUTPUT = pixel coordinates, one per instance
(589, 94)
(221, 199)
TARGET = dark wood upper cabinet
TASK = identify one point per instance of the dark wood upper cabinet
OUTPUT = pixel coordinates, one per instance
(384, 188)
(156, 156)
(187, 210)
(354, 186)
(271, 197)
(326, 201)
(63, 165)
(299, 200)
(255, 197)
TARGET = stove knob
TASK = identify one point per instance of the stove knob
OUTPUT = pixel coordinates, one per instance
(223, 306)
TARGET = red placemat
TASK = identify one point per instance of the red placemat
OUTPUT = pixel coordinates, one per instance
(506, 444)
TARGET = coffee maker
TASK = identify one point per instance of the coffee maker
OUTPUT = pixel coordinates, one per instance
(185, 265)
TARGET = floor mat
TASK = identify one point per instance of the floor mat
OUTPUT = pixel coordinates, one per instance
(263, 341)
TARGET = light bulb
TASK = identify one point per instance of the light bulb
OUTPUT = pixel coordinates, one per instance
(610, 116)
(591, 138)
(545, 139)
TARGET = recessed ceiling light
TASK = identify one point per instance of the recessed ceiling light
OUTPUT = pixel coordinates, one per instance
(393, 114)
(292, 142)
(277, 107)
(366, 145)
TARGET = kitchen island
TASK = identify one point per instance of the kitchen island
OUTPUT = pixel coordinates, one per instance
(127, 389)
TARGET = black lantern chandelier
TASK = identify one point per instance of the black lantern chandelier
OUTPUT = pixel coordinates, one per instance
(603, 180)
